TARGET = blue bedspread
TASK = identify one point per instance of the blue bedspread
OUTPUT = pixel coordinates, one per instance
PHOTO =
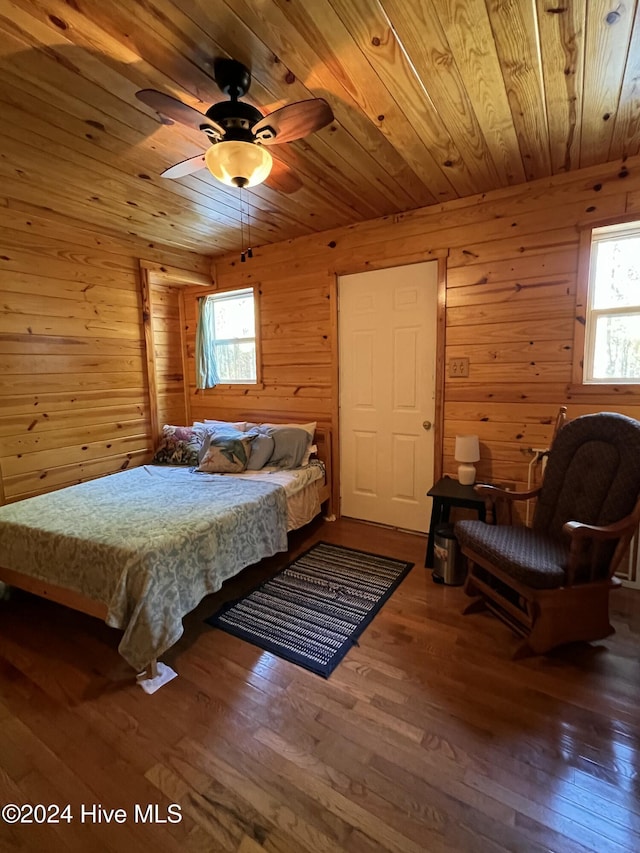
(149, 543)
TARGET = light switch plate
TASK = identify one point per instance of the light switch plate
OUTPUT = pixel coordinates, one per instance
(458, 367)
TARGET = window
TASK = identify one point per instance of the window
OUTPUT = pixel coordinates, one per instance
(226, 350)
(612, 330)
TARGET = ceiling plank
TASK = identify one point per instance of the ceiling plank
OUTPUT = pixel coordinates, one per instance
(606, 44)
(46, 224)
(626, 133)
(345, 43)
(382, 47)
(468, 32)
(562, 30)
(429, 86)
(515, 31)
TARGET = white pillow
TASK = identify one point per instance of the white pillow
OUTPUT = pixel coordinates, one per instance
(209, 423)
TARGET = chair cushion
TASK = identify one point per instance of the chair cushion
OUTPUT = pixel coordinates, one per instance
(525, 555)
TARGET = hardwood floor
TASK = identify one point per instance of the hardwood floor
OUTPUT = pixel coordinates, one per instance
(427, 737)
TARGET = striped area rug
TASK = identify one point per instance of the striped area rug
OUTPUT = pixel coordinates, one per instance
(312, 611)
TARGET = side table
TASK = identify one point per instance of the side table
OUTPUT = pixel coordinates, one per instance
(446, 493)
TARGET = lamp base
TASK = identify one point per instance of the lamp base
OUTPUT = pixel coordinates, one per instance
(466, 474)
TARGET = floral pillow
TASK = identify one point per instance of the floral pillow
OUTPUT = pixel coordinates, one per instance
(179, 446)
(226, 455)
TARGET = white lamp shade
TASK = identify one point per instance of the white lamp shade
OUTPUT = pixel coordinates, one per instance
(467, 448)
(467, 451)
(239, 164)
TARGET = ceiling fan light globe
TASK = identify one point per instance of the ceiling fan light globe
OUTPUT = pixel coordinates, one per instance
(237, 163)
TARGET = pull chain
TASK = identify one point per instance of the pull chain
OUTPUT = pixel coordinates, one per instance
(249, 250)
(242, 255)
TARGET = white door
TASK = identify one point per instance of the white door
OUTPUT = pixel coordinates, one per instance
(387, 339)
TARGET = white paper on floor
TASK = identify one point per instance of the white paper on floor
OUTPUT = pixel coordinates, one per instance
(164, 676)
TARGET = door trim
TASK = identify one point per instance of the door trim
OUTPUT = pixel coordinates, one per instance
(335, 396)
(438, 426)
(441, 331)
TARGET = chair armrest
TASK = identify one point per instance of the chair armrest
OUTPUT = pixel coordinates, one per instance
(581, 533)
(493, 494)
(578, 530)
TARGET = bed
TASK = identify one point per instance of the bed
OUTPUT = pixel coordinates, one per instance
(141, 548)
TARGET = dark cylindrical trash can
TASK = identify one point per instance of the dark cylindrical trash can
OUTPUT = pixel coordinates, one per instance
(449, 565)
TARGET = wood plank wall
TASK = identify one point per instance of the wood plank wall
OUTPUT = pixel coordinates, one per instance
(73, 388)
(167, 337)
(511, 284)
(296, 353)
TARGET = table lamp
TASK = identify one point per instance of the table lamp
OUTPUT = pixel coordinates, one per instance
(467, 451)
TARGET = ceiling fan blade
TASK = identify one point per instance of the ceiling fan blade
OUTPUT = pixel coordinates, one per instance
(185, 167)
(293, 121)
(176, 110)
(282, 178)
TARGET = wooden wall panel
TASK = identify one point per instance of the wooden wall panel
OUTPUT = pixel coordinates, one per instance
(296, 355)
(73, 388)
(167, 338)
(511, 285)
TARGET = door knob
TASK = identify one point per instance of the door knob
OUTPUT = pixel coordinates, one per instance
(426, 425)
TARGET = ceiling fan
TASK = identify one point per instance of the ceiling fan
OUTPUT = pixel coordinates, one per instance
(238, 133)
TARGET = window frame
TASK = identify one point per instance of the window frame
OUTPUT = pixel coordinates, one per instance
(240, 386)
(583, 327)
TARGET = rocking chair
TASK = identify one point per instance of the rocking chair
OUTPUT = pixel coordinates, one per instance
(551, 582)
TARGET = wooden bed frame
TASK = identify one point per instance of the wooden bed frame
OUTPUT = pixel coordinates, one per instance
(77, 601)
(323, 442)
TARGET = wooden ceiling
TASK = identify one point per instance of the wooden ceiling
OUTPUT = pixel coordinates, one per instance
(433, 100)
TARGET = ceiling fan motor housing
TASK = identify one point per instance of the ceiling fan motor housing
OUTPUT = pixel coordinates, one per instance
(237, 118)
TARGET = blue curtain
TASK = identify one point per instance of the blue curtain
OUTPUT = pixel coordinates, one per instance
(206, 369)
